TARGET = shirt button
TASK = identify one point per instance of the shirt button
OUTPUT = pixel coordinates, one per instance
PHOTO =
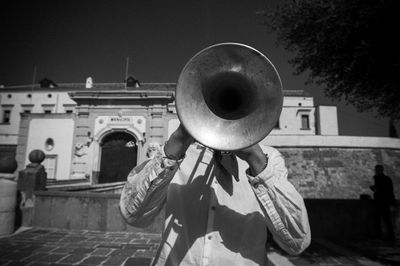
(255, 185)
(213, 208)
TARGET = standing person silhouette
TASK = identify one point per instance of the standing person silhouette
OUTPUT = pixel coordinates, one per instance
(384, 199)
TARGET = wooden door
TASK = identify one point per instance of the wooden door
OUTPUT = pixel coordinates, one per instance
(117, 158)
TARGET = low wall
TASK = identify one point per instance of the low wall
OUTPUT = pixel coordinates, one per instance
(73, 210)
(79, 210)
(341, 218)
(346, 218)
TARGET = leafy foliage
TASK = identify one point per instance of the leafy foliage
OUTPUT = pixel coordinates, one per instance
(351, 47)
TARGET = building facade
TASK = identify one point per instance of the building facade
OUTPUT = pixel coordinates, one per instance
(99, 132)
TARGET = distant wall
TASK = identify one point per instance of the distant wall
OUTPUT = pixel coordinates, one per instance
(60, 130)
(339, 173)
(326, 120)
(32, 101)
(35, 129)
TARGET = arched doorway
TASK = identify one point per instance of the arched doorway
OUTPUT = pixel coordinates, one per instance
(117, 158)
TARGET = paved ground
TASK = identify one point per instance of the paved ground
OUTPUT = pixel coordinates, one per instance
(81, 247)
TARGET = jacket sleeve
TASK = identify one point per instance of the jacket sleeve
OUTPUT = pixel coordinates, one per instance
(284, 208)
(144, 193)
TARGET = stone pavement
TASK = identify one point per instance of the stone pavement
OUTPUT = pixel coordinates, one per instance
(36, 246)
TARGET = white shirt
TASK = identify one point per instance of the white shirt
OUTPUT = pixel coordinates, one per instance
(216, 214)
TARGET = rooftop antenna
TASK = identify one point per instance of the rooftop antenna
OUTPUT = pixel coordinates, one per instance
(126, 69)
(33, 77)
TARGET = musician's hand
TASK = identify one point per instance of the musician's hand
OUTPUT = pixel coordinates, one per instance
(255, 157)
(178, 143)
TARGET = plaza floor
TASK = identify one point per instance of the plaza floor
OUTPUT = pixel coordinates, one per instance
(38, 246)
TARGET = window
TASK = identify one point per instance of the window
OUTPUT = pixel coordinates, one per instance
(6, 116)
(27, 108)
(50, 164)
(48, 108)
(69, 108)
(305, 122)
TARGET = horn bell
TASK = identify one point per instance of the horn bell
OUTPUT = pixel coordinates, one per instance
(229, 96)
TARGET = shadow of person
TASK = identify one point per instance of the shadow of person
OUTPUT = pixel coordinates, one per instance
(188, 222)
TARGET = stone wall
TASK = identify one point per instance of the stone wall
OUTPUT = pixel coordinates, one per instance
(349, 218)
(330, 179)
(80, 210)
(339, 173)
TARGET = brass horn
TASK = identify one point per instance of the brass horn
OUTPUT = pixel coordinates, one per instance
(229, 96)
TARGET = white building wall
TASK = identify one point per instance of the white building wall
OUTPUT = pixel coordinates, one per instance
(294, 101)
(327, 120)
(61, 131)
(290, 119)
(35, 102)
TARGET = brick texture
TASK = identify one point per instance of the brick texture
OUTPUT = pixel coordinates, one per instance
(339, 173)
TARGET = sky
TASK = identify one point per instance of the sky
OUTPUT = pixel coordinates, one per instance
(68, 41)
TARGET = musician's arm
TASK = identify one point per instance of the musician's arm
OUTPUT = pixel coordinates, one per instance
(284, 208)
(144, 193)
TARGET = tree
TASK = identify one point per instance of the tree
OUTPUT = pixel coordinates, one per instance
(350, 47)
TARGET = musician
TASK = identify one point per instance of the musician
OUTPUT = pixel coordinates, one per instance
(217, 211)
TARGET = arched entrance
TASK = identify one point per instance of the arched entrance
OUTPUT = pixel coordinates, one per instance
(117, 158)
